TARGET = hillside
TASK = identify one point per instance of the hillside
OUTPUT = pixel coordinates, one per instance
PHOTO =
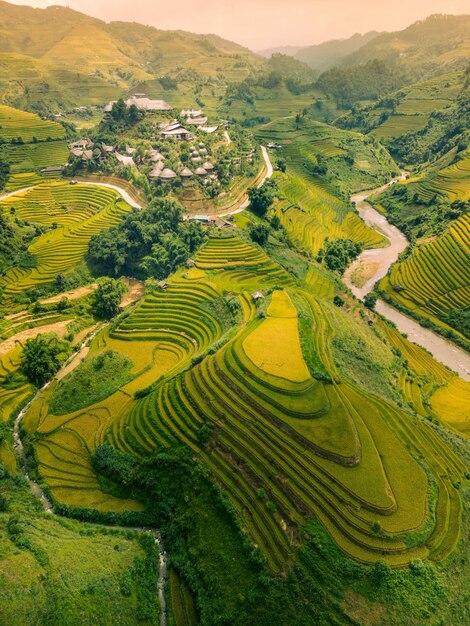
(200, 423)
(82, 60)
(426, 49)
(331, 53)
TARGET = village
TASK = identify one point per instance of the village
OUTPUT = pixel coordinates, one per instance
(181, 152)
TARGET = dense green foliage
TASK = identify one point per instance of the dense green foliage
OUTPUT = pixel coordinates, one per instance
(148, 243)
(107, 297)
(261, 198)
(338, 254)
(42, 357)
(91, 382)
(4, 172)
(362, 82)
(68, 573)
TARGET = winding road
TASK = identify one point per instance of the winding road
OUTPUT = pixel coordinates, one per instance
(380, 259)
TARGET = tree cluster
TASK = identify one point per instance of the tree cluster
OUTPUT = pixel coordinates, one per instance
(148, 243)
(338, 254)
(43, 356)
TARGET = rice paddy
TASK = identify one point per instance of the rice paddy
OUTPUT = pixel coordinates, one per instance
(73, 214)
(433, 281)
(312, 448)
(15, 124)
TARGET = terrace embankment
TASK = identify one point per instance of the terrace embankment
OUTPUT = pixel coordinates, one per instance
(383, 258)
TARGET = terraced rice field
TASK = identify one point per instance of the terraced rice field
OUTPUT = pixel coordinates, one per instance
(34, 156)
(452, 403)
(78, 212)
(435, 278)
(310, 207)
(310, 213)
(451, 183)
(15, 124)
(309, 447)
(21, 181)
(234, 265)
(397, 125)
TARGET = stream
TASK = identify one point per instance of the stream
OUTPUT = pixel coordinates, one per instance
(379, 261)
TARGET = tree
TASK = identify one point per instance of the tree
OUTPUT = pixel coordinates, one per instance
(261, 198)
(42, 357)
(108, 297)
(370, 300)
(259, 233)
(337, 255)
(4, 172)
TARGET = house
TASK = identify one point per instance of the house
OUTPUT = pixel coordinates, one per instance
(257, 295)
(176, 131)
(209, 129)
(167, 174)
(186, 173)
(87, 155)
(199, 218)
(208, 166)
(107, 149)
(163, 284)
(190, 263)
(52, 169)
(81, 144)
(156, 156)
(201, 172)
(128, 161)
(142, 103)
(196, 121)
(191, 113)
(157, 170)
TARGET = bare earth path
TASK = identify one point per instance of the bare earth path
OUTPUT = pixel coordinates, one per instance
(380, 259)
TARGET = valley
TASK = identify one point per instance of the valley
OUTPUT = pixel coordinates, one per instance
(234, 351)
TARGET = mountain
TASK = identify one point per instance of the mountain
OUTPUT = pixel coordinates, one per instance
(59, 57)
(426, 49)
(330, 53)
(439, 40)
(324, 55)
(289, 50)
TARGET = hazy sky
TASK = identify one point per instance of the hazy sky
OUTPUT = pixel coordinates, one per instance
(264, 23)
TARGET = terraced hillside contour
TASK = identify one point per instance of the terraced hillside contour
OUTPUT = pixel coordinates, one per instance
(74, 213)
(282, 444)
(30, 143)
(311, 205)
(434, 280)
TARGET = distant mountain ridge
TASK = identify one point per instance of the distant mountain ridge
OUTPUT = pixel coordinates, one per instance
(322, 56)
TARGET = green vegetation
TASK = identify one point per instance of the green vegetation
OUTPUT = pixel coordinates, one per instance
(91, 382)
(149, 243)
(42, 357)
(107, 298)
(338, 254)
(246, 404)
(59, 571)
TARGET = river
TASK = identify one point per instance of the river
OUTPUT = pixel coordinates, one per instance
(379, 260)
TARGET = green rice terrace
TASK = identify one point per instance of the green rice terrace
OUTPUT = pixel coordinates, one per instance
(283, 421)
(200, 422)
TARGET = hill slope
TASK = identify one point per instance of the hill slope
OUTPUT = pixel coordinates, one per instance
(69, 50)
